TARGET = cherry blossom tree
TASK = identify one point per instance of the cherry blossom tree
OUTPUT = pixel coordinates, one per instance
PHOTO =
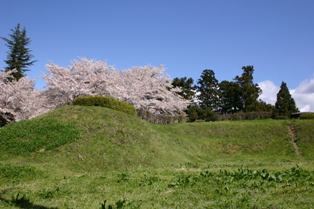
(18, 99)
(84, 77)
(149, 88)
(145, 87)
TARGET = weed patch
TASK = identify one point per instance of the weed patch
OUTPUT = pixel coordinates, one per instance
(17, 173)
(123, 203)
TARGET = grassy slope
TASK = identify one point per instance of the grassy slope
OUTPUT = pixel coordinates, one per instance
(86, 147)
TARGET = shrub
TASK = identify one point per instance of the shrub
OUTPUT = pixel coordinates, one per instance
(244, 116)
(198, 113)
(307, 116)
(103, 101)
(157, 118)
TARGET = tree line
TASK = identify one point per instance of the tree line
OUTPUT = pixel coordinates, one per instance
(144, 87)
(210, 98)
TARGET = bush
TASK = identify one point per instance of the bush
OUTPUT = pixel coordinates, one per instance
(108, 102)
(245, 116)
(307, 116)
(198, 113)
(162, 119)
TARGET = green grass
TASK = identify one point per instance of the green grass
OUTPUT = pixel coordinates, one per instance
(28, 137)
(80, 157)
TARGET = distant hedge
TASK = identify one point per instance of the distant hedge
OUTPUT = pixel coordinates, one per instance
(103, 101)
(244, 116)
(307, 116)
(160, 119)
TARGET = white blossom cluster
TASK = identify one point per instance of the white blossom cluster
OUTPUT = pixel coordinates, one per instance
(19, 100)
(149, 88)
(144, 87)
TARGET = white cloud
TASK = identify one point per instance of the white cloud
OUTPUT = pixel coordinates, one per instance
(270, 91)
(303, 95)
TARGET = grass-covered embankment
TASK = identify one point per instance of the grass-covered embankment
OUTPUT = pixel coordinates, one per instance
(77, 157)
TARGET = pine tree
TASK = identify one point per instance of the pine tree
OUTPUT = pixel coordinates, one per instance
(231, 100)
(19, 56)
(249, 91)
(187, 86)
(285, 104)
(208, 89)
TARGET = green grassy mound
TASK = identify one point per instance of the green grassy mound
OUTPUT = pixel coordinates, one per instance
(36, 135)
(93, 157)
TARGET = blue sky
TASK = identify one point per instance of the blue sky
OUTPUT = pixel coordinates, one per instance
(186, 36)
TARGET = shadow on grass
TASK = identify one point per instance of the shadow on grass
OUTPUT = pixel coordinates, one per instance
(23, 202)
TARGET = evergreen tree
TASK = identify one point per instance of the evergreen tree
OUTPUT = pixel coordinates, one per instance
(19, 56)
(262, 106)
(188, 93)
(230, 97)
(249, 91)
(187, 86)
(285, 104)
(208, 90)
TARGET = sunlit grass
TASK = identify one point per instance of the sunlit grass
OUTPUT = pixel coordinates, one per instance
(93, 154)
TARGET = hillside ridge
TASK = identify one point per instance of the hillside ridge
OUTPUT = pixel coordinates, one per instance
(97, 131)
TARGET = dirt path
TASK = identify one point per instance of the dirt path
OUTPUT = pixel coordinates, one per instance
(292, 132)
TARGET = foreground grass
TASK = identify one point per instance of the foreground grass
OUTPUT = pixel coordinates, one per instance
(169, 188)
(78, 157)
